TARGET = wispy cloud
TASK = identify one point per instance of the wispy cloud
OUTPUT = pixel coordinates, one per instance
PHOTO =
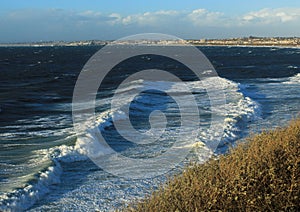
(272, 16)
(150, 18)
(69, 24)
(202, 17)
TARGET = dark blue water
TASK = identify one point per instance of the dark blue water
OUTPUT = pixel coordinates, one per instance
(42, 164)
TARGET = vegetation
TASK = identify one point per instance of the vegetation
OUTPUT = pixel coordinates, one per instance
(260, 174)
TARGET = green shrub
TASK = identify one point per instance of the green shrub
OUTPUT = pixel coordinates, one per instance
(259, 174)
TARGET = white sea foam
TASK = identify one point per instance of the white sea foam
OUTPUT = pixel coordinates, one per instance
(237, 112)
(22, 199)
(238, 108)
(293, 80)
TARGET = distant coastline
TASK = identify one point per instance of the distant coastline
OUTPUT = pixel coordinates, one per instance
(245, 41)
(250, 41)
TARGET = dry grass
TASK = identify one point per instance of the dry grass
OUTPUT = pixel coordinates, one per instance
(261, 174)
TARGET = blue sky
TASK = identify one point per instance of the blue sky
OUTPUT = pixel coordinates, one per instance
(36, 20)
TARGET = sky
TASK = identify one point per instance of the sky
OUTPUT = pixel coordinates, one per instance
(70, 20)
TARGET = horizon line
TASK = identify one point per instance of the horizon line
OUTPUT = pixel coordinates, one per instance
(112, 40)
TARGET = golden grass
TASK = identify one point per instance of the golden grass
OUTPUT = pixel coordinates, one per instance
(260, 174)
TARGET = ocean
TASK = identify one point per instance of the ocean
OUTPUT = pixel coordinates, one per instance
(42, 164)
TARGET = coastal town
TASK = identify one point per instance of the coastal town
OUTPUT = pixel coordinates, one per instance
(244, 41)
(250, 41)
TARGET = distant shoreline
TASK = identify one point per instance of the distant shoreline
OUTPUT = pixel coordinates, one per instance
(251, 46)
(198, 45)
(277, 42)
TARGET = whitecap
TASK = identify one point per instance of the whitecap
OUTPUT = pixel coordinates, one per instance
(293, 80)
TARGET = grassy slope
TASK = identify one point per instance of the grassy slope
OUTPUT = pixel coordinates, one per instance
(261, 174)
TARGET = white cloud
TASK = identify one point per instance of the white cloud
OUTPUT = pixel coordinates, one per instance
(202, 17)
(151, 18)
(89, 13)
(199, 17)
(272, 16)
(116, 18)
(69, 24)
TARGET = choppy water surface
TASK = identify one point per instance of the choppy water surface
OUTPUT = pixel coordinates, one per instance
(42, 163)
